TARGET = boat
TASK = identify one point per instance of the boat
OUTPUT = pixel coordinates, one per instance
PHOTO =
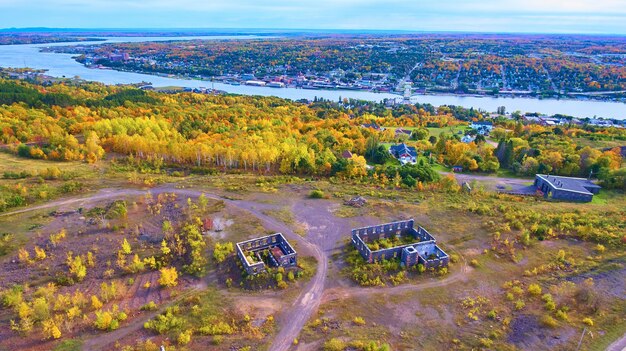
(275, 85)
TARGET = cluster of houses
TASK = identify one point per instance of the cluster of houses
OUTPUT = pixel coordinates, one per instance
(545, 120)
(483, 128)
(274, 77)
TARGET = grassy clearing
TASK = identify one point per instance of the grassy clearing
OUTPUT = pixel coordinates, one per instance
(341, 319)
(598, 144)
(10, 162)
(286, 216)
(453, 129)
(69, 345)
(607, 197)
(18, 229)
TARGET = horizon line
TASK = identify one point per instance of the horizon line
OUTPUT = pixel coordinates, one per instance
(317, 30)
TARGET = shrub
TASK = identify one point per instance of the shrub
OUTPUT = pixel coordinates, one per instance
(95, 303)
(420, 268)
(219, 328)
(23, 256)
(519, 304)
(136, 265)
(358, 321)
(217, 339)
(548, 321)
(184, 338)
(316, 194)
(169, 277)
(221, 251)
(534, 289)
(112, 291)
(126, 249)
(71, 186)
(56, 238)
(12, 297)
(150, 306)
(474, 263)
(588, 321)
(50, 329)
(50, 173)
(41, 310)
(334, 344)
(40, 254)
(164, 322)
(109, 320)
(76, 266)
(486, 342)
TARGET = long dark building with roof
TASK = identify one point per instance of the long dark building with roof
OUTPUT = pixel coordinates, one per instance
(566, 188)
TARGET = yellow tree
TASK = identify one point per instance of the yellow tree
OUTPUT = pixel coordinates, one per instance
(169, 277)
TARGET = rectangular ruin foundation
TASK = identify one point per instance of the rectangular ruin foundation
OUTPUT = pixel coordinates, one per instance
(423, 249)
(274, 248)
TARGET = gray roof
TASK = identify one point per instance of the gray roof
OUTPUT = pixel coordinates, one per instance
(579, 185)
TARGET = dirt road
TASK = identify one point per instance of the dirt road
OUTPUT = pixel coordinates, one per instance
(496, 183)
(618, 345)
(295, 317)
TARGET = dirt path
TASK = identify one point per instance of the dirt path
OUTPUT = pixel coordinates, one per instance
(312, 295)
(101, 195)
(495, 183)
(618, 345)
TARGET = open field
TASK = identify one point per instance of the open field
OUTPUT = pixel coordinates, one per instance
(472, 298)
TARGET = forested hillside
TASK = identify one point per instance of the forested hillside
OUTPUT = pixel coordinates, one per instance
(272, 135)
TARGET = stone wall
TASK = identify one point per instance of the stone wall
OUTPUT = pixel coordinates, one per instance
(409, 254)
(288, 259)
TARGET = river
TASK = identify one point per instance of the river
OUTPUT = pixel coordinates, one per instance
(62, 65)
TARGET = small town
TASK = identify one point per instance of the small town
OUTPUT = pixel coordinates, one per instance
(387, 66)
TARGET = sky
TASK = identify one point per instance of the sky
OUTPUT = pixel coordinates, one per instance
(534, 16)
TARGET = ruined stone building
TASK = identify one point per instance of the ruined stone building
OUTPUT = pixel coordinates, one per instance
(418, 245)
(273, 250)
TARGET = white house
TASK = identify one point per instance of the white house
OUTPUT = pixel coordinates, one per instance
(405, 154)
(482, 127)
